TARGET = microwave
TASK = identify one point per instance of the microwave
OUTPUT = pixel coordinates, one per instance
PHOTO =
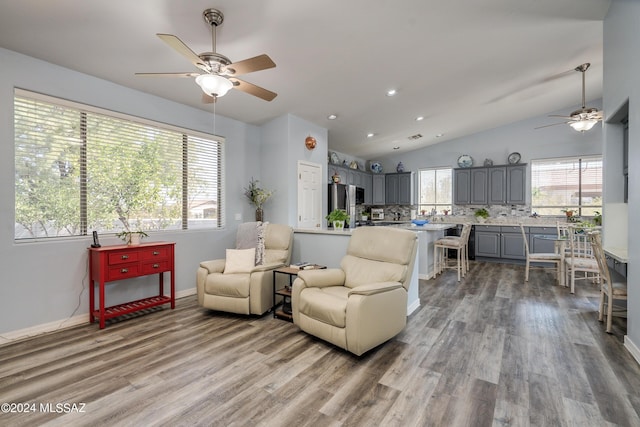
(377, 214)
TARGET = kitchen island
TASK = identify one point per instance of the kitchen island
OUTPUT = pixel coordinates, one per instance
(327, 247)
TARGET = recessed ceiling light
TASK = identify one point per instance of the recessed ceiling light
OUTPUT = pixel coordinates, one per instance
(419, 118)
(391, 92)
(397, 147)
(370, 135)
(332, 117)
(439, 135)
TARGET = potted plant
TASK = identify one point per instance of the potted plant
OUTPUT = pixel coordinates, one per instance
(337, 217)
(597, 218)
(132, 237)
(257, 196)
(481, 214)
(364, 216)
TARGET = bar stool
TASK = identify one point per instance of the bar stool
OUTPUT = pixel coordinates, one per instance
(458, 243)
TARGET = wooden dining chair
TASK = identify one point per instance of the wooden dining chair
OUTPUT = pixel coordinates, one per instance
(580, 259)
(542, 257)
(613, 285)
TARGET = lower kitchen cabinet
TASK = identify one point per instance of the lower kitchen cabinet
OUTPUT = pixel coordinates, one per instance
(492, 241)
(541, 245)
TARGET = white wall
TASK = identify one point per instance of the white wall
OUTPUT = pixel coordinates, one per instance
(47, 281)
(622, 85)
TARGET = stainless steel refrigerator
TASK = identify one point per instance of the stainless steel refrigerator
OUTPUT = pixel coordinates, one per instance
(343, 197)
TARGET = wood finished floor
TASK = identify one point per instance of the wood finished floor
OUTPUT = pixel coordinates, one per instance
(486, 351)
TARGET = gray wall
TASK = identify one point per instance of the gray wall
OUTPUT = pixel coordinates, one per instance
(496, 144)
(622, 85)
(47, 281)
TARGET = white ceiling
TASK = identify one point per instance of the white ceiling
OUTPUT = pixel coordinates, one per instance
(465, 65)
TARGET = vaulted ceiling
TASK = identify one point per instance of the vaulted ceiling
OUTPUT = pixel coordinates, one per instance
(463, 65)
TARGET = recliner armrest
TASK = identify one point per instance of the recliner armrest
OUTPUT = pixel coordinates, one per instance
(375, 288)
(267, 267)
(214, 266)
(322, 278)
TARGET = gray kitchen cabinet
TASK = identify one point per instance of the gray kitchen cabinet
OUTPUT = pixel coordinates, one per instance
(461, 186)
(497, 185)
(368, 187)
(512, 243)
(377, 189)
(493, 241)
(538, 244)
(516, 185)
(399, 188)
(487, 241)
(479, 191)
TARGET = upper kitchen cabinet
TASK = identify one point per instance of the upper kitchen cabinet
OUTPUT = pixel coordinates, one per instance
(470, 186)
(399, 188)
(377, 189)
(497, 185)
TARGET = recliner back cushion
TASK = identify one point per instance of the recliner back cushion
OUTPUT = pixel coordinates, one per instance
(276, 242)
(359, 271)
(386, 244)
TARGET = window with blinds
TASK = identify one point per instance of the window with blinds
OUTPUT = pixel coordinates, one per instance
(571, 183)
(435, 190)
(79, 169)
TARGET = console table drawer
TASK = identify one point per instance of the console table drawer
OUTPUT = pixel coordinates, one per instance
(161, 252)
(155, 267)
(123, 271)
(123, 257)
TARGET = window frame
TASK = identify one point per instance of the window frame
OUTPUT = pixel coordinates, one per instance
(579, 207)
(446, 206)
(188, 138)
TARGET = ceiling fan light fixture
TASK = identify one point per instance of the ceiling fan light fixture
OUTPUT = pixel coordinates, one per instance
(214, 85)
(583, 125)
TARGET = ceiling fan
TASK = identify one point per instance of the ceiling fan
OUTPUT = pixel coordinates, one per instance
(585, 118)
(219, 73)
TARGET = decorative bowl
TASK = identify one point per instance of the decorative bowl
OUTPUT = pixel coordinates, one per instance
(420, 222)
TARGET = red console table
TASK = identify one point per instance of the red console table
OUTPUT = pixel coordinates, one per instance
(118, 262)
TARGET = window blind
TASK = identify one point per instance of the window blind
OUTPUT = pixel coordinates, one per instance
(79, 169)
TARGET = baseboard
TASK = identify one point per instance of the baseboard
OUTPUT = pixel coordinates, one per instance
(413, 307)
(70, 322)
(633, 349)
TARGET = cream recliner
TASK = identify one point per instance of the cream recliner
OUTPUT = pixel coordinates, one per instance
(245, 293)
(363, 303)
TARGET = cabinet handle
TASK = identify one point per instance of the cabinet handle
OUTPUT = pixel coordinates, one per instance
(124, 270)
(124, 257)
(156, 265)
(156, 253)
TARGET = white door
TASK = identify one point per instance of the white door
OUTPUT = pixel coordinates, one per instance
(310, 185)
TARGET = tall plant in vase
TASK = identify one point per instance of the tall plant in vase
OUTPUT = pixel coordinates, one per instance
(257, 196)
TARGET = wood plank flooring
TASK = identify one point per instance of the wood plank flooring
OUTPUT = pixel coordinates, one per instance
(489, 350)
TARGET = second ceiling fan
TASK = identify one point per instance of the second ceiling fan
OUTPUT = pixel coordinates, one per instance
(585, 118)
(219, 73)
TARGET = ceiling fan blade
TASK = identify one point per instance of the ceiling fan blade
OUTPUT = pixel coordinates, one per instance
(555, 124)
(167, 74)
(257, 63)
(252, 89)
(183, 50)
(208, 99)
(562, 117)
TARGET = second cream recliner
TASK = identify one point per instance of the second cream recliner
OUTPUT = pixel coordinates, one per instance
(363, 303)
(250, 292)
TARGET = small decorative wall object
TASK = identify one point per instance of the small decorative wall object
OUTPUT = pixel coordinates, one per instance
(353, 164)
(333, 158)
(336, 177)
(488, 162)
(465, 161)
(310, 142)
(400, 167)
(376, 167)
(513, 158)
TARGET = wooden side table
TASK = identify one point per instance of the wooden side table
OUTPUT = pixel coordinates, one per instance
(285, 292)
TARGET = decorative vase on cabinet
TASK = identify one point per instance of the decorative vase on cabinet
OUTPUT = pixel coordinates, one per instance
(259, 214)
